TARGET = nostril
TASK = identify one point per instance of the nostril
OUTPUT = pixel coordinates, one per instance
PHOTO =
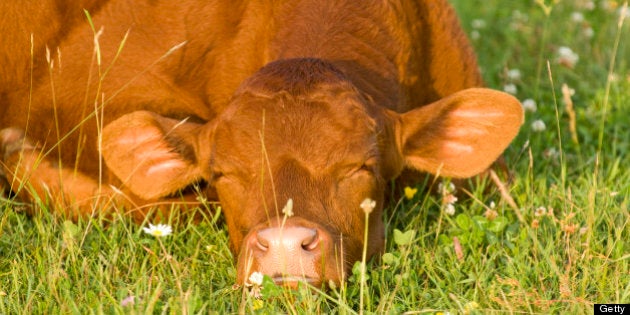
(261, 243)
(311, 242)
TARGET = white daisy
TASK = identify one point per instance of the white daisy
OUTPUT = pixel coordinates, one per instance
(159, 230)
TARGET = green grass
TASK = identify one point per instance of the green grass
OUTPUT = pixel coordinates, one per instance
(550, 262)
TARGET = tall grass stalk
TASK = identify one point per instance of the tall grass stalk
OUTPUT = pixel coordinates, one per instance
(362, 281)
(609, 78)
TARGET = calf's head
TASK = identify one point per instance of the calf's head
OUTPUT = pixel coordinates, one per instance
(299, 137)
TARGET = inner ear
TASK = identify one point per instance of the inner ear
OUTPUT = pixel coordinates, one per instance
(460, 135)
(152, 155)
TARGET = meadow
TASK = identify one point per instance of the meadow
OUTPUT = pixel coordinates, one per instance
(556, 239)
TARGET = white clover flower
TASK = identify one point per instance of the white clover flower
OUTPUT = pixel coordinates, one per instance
(449, 209)
(589, 5)
(450, 198)
(510, 88)
(445, 190)
(567, 57)
(160, 230)
(368, 205)
(478, 23)
(288, 208)
(538, 125)
(588, 32)
(256, 278)
(130, 300)
(475, 35)
(518, 15)
(577, 17)
(254, 285)
(551, 153)
(529, 105)
(540, 211)
(514, 74)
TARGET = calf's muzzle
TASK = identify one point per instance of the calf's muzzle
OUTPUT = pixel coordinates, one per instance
(290, 253)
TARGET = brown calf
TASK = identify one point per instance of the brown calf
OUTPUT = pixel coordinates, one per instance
(322, 103)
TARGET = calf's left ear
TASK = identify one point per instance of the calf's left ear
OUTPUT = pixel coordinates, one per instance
(152, 155)
(460, 135)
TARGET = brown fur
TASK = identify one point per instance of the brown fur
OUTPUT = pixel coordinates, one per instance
(341, 107)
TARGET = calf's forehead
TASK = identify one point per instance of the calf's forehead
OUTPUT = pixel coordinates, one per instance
(320, 133)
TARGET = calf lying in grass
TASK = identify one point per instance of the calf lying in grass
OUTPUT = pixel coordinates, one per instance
(315, 104)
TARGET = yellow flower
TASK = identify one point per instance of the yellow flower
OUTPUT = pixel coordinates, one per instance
(470, 307)
(257, 304)
(410, 192)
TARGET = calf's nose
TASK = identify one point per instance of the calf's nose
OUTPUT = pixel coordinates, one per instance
(288, 253)
(292, 240)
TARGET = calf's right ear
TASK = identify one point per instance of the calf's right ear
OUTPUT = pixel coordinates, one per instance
(460, 135)
(153, 156)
